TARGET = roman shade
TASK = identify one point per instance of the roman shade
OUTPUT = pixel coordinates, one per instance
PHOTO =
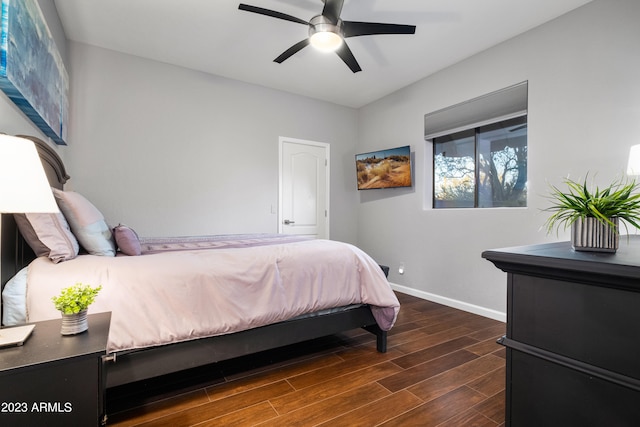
(500, 105)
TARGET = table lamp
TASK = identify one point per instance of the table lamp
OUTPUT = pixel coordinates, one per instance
(23, 189)
(633, 166)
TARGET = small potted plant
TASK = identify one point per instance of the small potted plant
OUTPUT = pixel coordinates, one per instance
(594, 216)
(73, 302)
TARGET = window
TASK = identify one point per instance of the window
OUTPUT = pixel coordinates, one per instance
(480, 150)
(482, 167)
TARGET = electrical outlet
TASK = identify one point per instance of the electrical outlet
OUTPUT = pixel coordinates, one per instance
(401, 268)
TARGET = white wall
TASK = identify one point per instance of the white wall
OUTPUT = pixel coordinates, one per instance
(584, 114)
(170, 151)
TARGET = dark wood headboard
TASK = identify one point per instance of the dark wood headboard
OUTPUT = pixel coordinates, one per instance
(15, 252)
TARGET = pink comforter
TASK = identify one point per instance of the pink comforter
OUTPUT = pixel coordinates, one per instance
(176, 296)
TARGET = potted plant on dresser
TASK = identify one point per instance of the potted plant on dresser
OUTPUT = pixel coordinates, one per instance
(73, 302)
(595, 215)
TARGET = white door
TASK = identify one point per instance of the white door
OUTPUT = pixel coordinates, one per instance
(304, 188)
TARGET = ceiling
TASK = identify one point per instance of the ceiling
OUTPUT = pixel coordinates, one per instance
(215, 37)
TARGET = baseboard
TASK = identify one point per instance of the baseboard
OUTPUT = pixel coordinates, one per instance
(471, 308)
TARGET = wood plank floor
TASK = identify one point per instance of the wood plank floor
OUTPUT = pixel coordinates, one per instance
(443, 368)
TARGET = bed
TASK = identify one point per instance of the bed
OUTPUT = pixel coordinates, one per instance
(369, 304)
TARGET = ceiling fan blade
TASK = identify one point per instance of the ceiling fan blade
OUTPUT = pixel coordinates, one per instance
(354, 28)
(291, 51)
(332, 10)
(271, 13)
(345, 54)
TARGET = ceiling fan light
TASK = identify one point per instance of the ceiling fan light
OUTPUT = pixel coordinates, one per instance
(326, 41)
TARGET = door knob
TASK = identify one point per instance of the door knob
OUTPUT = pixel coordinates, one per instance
(288, 222)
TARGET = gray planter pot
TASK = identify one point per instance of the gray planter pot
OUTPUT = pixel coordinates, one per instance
(74, 323)
(589, 234)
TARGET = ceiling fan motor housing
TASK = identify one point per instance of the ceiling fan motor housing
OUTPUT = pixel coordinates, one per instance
(321, 24)
(324, 34)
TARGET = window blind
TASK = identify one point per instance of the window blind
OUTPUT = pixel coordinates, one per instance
(500, 105)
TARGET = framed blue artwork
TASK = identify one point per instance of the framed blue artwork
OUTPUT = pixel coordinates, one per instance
(32, 73)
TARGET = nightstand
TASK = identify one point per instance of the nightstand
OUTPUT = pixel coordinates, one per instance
(55, 380)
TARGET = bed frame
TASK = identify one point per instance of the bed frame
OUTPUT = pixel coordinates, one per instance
(129, 367)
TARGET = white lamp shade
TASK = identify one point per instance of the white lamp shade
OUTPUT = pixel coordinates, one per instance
(24, 187)
(633, 167)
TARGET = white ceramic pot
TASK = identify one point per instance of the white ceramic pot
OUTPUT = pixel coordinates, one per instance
(589, 234)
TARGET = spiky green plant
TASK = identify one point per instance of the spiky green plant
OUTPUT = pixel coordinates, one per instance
(74, 299)
(616, 200)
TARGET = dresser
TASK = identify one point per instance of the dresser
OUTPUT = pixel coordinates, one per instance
(55, 380)
(573, 335)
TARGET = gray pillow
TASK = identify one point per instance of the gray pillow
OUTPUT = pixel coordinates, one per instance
(49, 235)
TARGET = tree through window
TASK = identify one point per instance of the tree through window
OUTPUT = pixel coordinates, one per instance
(483, 167)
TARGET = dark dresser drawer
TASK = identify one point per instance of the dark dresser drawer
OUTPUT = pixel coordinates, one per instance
(568, 398)
(594, 324)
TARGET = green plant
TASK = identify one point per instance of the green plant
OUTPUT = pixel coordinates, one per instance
(74, 299)
(616, 200)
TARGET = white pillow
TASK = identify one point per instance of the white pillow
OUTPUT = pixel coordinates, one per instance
(14, 299)
(87, 223)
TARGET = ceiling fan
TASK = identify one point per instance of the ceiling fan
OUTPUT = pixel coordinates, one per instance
(327, 31)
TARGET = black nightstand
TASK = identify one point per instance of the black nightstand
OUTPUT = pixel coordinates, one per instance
(55, 380)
